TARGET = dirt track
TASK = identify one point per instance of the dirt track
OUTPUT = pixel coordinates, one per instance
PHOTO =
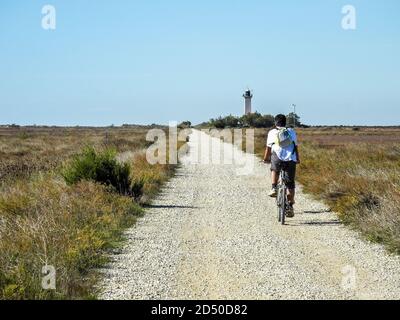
(213, 234)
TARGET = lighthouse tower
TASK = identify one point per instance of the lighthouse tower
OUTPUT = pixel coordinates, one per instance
(248, 95)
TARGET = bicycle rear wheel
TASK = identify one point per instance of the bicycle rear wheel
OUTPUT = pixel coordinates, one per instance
(282, 206)
(278, 203)
(279, 213)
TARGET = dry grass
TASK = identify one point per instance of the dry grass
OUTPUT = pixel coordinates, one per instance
(24, 151)
(356, 172)
(44, 221)
(153, 176)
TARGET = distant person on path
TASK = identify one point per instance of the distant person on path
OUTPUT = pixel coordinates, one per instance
(282, 148)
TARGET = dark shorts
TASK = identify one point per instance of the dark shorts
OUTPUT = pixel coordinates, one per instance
(288, 166)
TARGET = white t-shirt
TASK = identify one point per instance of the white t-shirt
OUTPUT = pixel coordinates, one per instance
(284, 154)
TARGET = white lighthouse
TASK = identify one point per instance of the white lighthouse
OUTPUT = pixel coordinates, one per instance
(248, 95)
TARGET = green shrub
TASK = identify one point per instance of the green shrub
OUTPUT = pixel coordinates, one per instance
(253, 120)
(101, 167)
(137, 188)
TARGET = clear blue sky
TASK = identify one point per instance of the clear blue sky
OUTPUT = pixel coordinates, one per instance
(152, 61)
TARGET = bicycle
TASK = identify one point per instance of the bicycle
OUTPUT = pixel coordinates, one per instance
(282, 199)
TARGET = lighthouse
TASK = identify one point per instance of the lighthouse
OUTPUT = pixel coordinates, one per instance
(248, 95)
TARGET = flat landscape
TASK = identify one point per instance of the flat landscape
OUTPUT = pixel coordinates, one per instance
(27, 150)
(356, 172)
(86, 201)
(213, 234)
(134, 162)
(66, 196)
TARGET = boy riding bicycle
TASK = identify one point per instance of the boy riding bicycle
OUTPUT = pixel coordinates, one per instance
(283, 154)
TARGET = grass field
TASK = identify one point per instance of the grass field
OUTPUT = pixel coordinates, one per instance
(24, 151)
(45, 221)
(356, 171)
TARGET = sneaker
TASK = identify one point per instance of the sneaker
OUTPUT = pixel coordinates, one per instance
(273, 193)
(290, 211)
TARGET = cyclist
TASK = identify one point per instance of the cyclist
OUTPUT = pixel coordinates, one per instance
(283, 154)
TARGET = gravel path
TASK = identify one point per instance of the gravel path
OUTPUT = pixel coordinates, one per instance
(213, 234)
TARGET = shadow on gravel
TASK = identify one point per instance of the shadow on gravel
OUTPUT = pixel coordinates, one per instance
(318, 211)
(322, 223)
(315, 223)
(154, 206)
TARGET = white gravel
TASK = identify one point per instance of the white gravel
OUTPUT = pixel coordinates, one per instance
(213, 234)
